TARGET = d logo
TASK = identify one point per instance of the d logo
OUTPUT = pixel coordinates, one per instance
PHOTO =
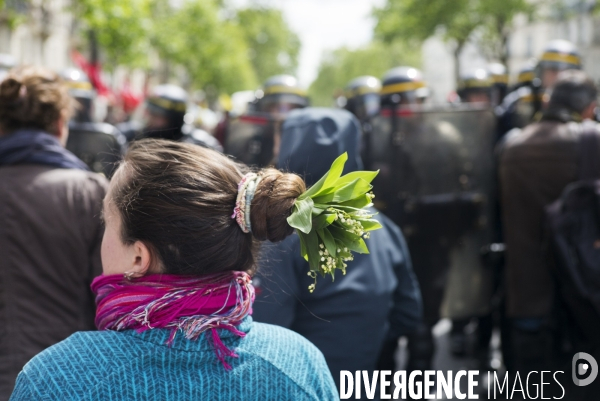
(580, 369)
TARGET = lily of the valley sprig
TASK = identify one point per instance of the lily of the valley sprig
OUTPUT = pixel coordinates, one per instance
(332, 219)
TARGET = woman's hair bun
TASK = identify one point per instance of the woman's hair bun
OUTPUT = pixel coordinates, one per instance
(33, 97)
(10, 90)
(272, 204)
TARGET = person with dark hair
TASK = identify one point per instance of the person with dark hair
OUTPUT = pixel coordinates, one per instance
(174, 301)
(350, 318)
(50, 229)
(535, 166)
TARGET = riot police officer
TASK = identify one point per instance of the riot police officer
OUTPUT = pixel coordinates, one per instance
(279, 95)
(362, 100)
(521, 106)
(403, 86)
(164, 117)
(362, 97)
(476, 87)
(435, 172)
(81, 89)
(499, 76)
(526, 75)
(253, 138)
(99, 145)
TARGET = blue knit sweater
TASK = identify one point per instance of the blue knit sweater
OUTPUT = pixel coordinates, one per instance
(273, 364)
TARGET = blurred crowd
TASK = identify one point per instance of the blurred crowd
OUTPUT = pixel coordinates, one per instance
(487, 204)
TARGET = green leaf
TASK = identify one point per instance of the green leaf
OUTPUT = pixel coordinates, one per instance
(336, 170)
(303, 250)
(328, 179)
(358, 203)
(329, 241)
(314, 189)
(368, 176)
(339, 206)
(352, 191)
(317, 211)
(370, 225)
(358, 245)
(323, 221)
(348, 192)
(351, 241)
(343, 235)
(312, 248)
(301, 217)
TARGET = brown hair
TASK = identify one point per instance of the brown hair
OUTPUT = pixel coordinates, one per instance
(178, 199)
(33, 97)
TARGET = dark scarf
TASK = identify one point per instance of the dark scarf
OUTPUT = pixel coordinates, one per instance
(31, 146)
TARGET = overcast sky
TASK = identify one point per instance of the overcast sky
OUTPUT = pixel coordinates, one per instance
(324, 25)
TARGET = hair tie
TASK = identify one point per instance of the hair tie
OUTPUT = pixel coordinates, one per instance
(246, 189)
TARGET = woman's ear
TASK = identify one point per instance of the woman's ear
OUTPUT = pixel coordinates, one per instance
(143, 258)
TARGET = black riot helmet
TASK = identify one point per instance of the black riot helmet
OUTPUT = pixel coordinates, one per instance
(362, 97)
(403, 85)
(166, 106)
(499, 77)
(559, 55)
(81, 89)
(475, 87)
(281, 94)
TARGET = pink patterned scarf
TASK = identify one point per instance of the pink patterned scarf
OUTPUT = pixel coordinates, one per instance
(193, 305)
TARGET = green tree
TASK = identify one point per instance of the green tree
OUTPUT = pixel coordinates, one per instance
(202, 43)
(339, 67)
(495, 32)
(120, 29)
(272, 47)
(210, 49)
(13, 12)
(415, 21)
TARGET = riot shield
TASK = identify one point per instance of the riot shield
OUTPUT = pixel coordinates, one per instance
(101, 146)
(436, 181)
(251, 139)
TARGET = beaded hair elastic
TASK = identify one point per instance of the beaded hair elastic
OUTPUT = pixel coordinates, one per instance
(246, 189)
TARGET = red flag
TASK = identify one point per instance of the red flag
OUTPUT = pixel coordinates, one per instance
(129, 99)
(93, 71)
